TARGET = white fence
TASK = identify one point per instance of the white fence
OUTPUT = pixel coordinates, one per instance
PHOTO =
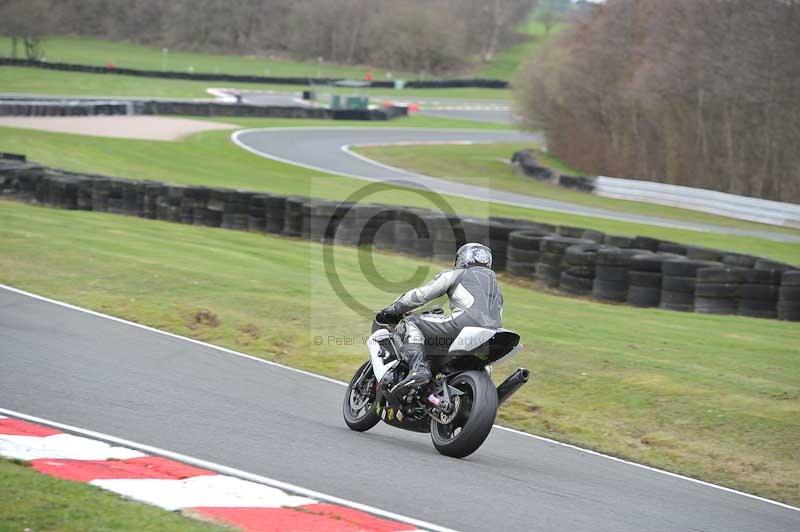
(697, 199)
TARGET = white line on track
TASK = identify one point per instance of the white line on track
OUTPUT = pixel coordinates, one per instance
(310, 493)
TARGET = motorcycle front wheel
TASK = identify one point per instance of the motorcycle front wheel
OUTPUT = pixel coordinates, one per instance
(359, 400)
(462, 432)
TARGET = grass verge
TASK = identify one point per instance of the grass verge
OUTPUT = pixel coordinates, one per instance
(464, 163)
(32, 501)
(40, 81)
(714, 397)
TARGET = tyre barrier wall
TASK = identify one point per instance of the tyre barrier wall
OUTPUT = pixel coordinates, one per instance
(640, 271)
(63, 108)
(416, 84)
(30, 107)
(697, 199)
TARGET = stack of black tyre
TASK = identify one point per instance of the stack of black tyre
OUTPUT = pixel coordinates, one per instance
(580, 263)
(760, 290)
(551, 258)
(644, 278)
(293, 225)
(718, 289)
(257, 213)
(274, 213)
(412, 235)
(789, 296)
(678, 283)
(448, 235)
(236, 212)
(523, 252)
(168, 204)
(612, 267)
(193, 205)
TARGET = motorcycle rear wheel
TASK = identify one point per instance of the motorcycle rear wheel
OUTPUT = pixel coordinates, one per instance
(474, 419)
(358, 408)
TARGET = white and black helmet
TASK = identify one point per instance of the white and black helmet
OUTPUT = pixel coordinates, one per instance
(473, 254)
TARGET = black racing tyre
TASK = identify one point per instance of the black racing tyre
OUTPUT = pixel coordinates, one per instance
(699, 253)
(680, 301)
(521, 269)
(548, 274)
(760, 292)
(618, 241)
(358, 408)
(643, 296)
(720, 274)
(789, 293)
(678, 284)
(711, 305)
(789, 305)
(790, 278)
(609, 256)
(530, 240)
(611, 273)
(473, 419)
(645, 242)
(582, 254)
(685, 268)
(594, 236)
(644, 279)
(758, 305)
(651, 262)
(672, 247)
(717, 290)
(575, 285)
(738, 260)
(766, 264)
(750, 312)
(789, 315)
(570, 232)
(762, 276)
(559, 244)
(610, 290)
(551, 259)
(584, 272)
(523, 255)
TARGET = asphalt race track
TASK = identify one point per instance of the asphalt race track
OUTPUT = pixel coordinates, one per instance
(92, 372)
(325, 149)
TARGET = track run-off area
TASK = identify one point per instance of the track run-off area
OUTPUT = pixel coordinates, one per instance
(329, 149)
(103, 374)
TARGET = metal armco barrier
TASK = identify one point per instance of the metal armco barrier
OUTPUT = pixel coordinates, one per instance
(697, 199)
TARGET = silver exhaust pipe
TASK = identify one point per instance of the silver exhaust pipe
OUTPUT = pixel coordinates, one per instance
(513, 383)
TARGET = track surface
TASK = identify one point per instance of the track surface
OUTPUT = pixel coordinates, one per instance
(103, 375)
(324, 149)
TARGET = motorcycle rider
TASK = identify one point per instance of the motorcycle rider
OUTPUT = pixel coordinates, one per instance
(475, 300)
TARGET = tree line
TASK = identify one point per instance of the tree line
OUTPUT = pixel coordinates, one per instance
(423, 36)
(703, 93)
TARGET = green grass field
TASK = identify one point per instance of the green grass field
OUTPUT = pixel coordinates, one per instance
(39, 81)
(212, 159)
(713, 397)
(125, 54)
(504, 65)
(476, 162)
(32, 501)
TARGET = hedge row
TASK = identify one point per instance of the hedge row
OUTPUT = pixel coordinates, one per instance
(186, 108)
(200, 76)
(640, 271)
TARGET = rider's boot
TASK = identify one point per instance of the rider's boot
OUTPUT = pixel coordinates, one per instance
(419, 373)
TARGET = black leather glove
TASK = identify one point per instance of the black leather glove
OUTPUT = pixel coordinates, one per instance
(388, 317)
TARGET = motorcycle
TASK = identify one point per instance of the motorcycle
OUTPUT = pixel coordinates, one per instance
(457, 408)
